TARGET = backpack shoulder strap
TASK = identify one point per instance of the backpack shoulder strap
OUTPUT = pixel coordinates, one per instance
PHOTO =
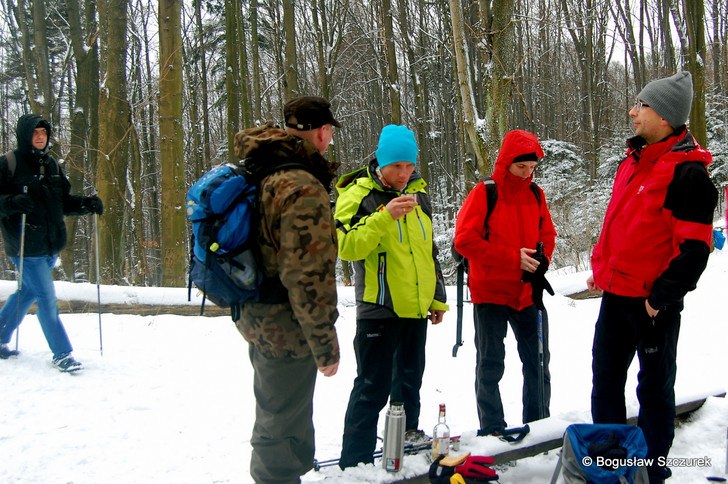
(11, 162)
(537, 193)
(491, 196)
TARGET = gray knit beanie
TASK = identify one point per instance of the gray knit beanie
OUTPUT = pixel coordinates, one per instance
(670, 97)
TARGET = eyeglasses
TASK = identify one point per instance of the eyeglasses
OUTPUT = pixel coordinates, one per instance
(639, 105)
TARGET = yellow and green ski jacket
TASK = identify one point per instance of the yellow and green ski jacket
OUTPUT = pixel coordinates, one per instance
(397, 272)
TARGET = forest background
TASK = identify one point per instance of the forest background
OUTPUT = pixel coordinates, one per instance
(144, 96)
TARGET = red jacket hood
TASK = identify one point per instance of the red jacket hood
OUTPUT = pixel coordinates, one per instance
(515, 143)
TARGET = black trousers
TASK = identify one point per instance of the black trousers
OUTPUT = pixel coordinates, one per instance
(491, 326)
(390, 359)
(623, 329)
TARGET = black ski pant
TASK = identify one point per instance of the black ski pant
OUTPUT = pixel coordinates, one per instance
(390, 360)
(491, 326)
(623, 328)
(283, 433)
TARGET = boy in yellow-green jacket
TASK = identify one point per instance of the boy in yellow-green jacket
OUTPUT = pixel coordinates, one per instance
(384, 224)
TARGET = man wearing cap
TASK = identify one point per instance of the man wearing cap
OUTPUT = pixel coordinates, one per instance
(384, 221)
(500, 251)
(653, 247)
(292, 336)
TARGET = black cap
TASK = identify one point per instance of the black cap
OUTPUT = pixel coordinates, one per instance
(308, 112)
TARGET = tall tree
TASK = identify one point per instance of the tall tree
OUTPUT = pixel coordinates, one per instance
(390, 54)
(232, 74)
(466, 94)
(114, 128)
(81, 156)
(291, 62)
(697, 50)
(36, 64)
(497, 17)
(170, 143)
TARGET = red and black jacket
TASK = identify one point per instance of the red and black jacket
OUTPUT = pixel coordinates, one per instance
(655, 239)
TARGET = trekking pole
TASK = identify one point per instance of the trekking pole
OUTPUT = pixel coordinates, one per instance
(541, 384)
(460, 295)
(20, 270)
(98, 280)
(539, 329)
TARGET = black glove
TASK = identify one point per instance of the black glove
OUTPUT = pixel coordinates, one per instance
(93, 204)
(543, 266)
(538, 278)
(537, 287)
(22, 203)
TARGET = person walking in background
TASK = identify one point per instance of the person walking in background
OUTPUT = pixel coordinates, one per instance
(653, 247)
(292, 334)
(384, 222)
(502, 255)
(34, 197)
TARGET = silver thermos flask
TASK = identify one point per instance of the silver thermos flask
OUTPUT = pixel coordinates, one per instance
(393, 450)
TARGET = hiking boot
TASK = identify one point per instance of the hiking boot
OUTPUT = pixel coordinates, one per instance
(490, 433)
(66, 363)
(6, 352)
(658, 474)
(416, 437)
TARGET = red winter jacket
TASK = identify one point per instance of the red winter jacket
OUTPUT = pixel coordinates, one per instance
(495, 272)
(658, 224)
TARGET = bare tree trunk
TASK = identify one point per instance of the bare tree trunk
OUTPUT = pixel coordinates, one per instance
(114, 128)
(469, 120)
(255, 62)
(41, 63)
(289, 24)
(420, 127)
(232, 74)
(205, 114)
(174, 250)
(391, 58)
(85, 51)
(500, 43)
(694, 19)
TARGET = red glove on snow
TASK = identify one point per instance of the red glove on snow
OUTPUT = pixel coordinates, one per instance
(477, 467)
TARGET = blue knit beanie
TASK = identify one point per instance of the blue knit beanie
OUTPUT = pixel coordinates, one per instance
(396, 143)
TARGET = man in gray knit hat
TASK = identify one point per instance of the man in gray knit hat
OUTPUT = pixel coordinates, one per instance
(653, 247)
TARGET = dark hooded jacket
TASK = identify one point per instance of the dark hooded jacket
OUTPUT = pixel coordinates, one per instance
(40, 174)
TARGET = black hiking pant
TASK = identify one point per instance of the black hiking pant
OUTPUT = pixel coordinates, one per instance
(390, 362)
(623, 328)
(491, 326)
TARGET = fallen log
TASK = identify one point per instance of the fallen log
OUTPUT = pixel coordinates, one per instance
(550, 436)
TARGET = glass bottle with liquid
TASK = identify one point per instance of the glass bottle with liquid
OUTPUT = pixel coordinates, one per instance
(441, 436)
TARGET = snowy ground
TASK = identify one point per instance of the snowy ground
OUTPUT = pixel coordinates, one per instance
(170, 400)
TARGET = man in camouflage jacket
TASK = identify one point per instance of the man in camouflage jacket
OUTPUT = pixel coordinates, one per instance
(297, 241)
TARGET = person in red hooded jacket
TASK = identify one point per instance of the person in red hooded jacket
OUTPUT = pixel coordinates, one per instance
(653, 247)
(498, 256)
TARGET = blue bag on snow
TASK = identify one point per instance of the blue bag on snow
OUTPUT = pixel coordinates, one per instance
(602, 454)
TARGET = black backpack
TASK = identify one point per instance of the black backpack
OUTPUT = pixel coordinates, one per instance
(491, 195)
